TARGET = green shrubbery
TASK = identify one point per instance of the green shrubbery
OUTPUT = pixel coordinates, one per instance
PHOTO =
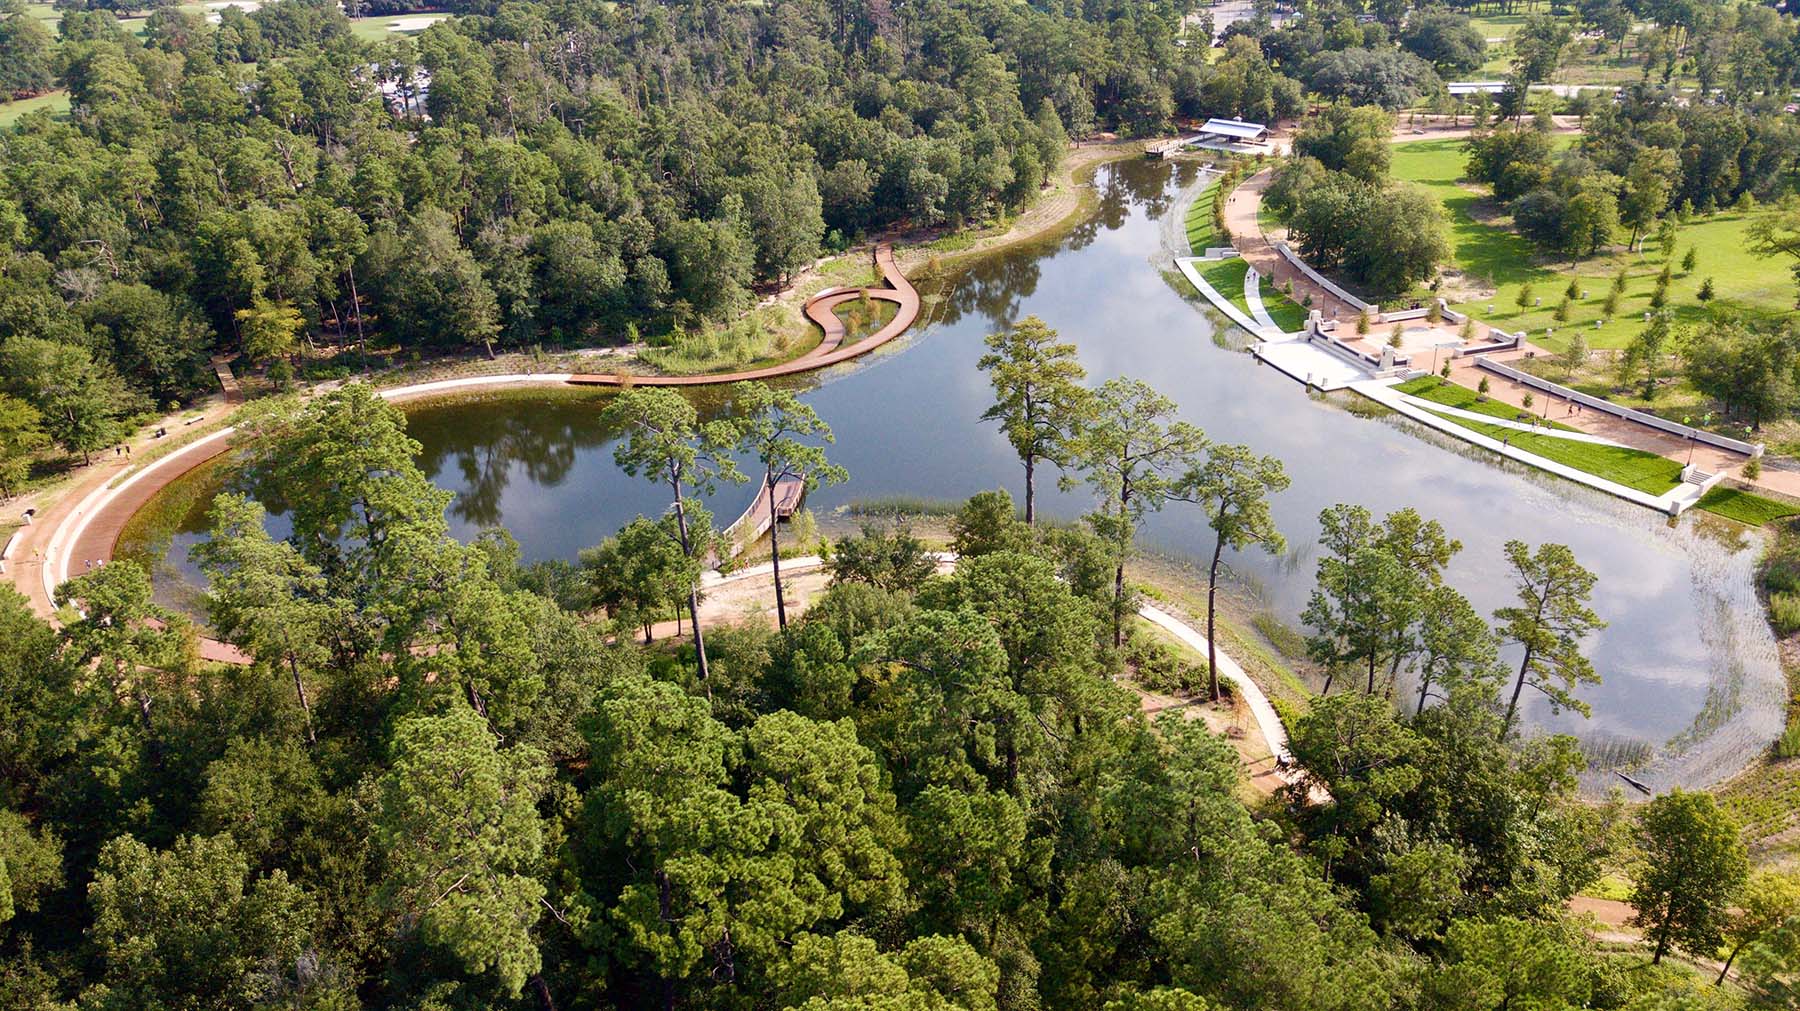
(1788, 745)
(1160, 667)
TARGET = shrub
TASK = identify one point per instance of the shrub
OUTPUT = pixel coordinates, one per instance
(1573, 290)
(1753, 468)
(1483, 387)
(1524, 299)
(1159, 668)
(1788, 744)
(1562, 310)
(1706, 291)
(1784, 613)
(1690, 261)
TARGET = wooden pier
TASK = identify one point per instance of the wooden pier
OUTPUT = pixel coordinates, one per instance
(748, 528)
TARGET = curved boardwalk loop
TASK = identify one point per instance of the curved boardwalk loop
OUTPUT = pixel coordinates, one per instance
(821, 309)
(82, 529)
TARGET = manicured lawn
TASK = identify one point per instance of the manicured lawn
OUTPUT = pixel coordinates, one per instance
(1228, 277)
(1746, 507)
(375, 29)
(1199, 220)
(1633, 468)
(1464, 399)
(1287, 314)
(1268, 222)
(57, 102)
(1498, 26)
(1743, 282)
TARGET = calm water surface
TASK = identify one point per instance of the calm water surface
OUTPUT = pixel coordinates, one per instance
(1689, 666)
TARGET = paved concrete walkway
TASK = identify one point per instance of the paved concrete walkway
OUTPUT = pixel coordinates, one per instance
(1253, 299)
(1187, 265)
(1306, 362)
(1672, 502)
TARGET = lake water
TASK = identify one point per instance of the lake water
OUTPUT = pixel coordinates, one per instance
(1690, 668)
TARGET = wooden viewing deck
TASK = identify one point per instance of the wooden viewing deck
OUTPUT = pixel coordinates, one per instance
(749, 527)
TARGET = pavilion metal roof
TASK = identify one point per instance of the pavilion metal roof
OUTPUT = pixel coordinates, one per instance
(1234, 128)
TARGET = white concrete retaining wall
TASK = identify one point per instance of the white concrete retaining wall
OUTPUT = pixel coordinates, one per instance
(1662, 424)
(12, 544)
(1498, 340)
(1320, 280)
(1220, 302)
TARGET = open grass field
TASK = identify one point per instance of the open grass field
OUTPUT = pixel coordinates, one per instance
(376, 29)
(1490, 253)
(57, 102)
(1440, 391)
(370, 29)
(1584, 63)
(1632, 468)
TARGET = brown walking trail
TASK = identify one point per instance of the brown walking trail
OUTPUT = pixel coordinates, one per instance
(81, 529)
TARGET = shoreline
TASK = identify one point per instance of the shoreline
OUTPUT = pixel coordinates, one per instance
(528, 385)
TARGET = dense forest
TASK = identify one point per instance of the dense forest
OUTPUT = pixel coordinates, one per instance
(434, 786)
(539, 172)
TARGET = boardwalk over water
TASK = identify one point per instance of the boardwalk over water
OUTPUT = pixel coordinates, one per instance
(749, 527)
(821, 310)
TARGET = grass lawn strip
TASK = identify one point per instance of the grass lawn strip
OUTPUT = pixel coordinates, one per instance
(1633, 468)
(1287, 314)
(1746, 507)
(1201, 234)
(1464, 399)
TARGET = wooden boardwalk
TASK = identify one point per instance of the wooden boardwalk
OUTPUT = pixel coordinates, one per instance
(82, 528)
(821, 309)
(755, 520)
